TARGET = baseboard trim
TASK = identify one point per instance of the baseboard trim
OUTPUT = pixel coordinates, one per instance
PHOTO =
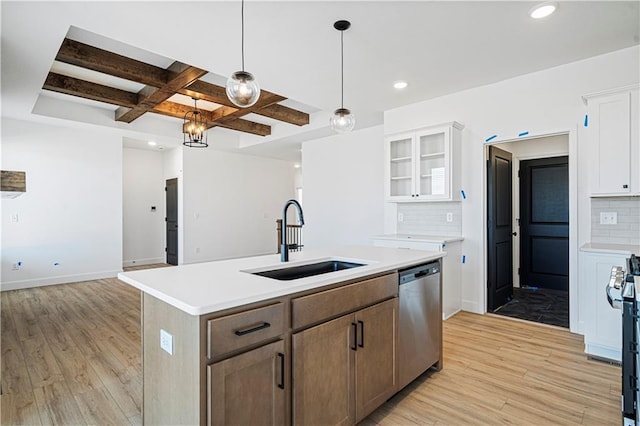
(139, 262)
(62, 279)
(472, 306)
(446, 316)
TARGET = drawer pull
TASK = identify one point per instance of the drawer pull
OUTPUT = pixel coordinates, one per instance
(252, 329)
(355, 336)
(281, 384)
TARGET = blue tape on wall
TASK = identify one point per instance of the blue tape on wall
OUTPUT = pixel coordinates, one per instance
(523, 134)
(490, 138)
(464, 258)
(586, 120)
(464, 196)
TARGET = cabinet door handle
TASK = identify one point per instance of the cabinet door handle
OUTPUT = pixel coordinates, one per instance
(355, 336)
(361, 344)
(252, 329)
(281, 384)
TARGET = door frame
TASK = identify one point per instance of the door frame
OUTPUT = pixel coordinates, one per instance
(573, 216)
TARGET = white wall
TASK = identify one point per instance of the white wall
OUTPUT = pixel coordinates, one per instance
(143, 187)
(71, 213)
(540, 103)
(343, 188)
(231, 202)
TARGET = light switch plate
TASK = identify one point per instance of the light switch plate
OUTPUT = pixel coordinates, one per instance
(608, 218)
(166, 342)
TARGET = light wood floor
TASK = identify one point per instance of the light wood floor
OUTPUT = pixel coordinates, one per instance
(71, 355)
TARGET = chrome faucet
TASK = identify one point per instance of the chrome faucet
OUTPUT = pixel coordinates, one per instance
(284, 247)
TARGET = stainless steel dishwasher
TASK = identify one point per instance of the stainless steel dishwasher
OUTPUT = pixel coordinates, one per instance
(420, 321)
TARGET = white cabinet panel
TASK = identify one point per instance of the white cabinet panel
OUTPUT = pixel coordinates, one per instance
(602, 325)
(614, 142)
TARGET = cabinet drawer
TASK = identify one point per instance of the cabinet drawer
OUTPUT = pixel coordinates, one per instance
(234, 332)
(308, 310)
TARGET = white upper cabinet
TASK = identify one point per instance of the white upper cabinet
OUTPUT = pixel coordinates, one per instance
(423, 165)
(614, 142)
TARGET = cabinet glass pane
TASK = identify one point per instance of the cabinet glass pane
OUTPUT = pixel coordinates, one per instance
(431, 164)
(400, 149)
(400, 187)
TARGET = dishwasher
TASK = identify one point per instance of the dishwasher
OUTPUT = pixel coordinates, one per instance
(420, 321)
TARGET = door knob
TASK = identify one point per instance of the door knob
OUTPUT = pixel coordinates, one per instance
(515, 234)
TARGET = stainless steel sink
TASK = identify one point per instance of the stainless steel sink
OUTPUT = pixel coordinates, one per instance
(312, 269)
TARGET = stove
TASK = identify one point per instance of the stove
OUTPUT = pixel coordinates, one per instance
(629, 284)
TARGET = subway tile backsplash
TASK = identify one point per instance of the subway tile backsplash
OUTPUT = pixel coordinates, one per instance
(430, 218)
(626, 231)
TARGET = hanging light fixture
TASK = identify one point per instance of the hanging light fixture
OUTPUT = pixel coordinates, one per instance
(194, 128)
(242, 88)
(342, 120)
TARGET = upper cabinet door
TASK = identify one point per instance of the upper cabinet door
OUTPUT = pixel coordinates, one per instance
(423, 165)
(614, 143)
(433, 163)
(400, 167)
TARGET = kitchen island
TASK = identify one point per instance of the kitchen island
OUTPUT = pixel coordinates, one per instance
(223, 345)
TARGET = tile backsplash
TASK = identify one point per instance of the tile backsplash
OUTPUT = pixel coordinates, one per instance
(430, 218)
(626, 231)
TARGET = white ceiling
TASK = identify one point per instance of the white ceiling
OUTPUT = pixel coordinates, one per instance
(293, 50)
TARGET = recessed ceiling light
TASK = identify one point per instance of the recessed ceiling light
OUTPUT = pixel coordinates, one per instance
(297, 166)
(543, 9)
(400, 84)
(152, 143)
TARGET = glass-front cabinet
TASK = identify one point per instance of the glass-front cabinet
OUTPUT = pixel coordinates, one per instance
(421, 164)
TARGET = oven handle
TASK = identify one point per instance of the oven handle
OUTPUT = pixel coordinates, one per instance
(616, 303)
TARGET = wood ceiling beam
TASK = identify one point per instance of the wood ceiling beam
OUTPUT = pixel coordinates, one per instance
(85, 56)
(173, 109)
(85, 89)
(180, 75)
(266, 107)
(286, 114)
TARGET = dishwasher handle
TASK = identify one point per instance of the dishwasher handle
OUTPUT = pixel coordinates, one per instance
(418, 272)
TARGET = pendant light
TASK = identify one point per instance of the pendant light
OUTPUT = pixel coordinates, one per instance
(342, 121)
(194, 128)
(242, 88)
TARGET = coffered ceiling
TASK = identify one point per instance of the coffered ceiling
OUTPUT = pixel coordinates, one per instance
(161, 90)
(292, 49)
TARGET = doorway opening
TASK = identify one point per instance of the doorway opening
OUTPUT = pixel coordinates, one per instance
(528, 229)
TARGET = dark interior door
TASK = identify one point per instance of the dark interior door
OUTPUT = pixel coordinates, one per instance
(544, 223)
(499, 228)
(171, 220)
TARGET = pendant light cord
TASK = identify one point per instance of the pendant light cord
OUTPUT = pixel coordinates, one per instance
(242, 18)
(341, 69)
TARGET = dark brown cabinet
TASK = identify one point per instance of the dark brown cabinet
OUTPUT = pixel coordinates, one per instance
(249, 389)
(345, 368)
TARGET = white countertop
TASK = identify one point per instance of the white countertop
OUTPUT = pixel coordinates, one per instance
(203, 288)
(623, 249)
(438, 239)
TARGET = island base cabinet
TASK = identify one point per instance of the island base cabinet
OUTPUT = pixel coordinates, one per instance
(345, 368)
(249, 389)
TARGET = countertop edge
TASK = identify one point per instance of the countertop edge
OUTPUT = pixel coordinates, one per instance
(317, 283)
(623, 249)
(419, 238)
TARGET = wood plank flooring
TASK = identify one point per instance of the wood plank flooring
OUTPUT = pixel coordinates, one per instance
(71, 356)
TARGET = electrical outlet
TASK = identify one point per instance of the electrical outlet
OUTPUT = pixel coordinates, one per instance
(608, 218)
(14, 218)
(449, 217)
(197, 250)
(166, 342)
(400, 217)
(16, 266)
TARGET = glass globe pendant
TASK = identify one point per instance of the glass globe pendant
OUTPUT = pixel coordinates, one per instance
(243, 89)
(342, 121)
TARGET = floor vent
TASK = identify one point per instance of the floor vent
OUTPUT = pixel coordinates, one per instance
(605, 360)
